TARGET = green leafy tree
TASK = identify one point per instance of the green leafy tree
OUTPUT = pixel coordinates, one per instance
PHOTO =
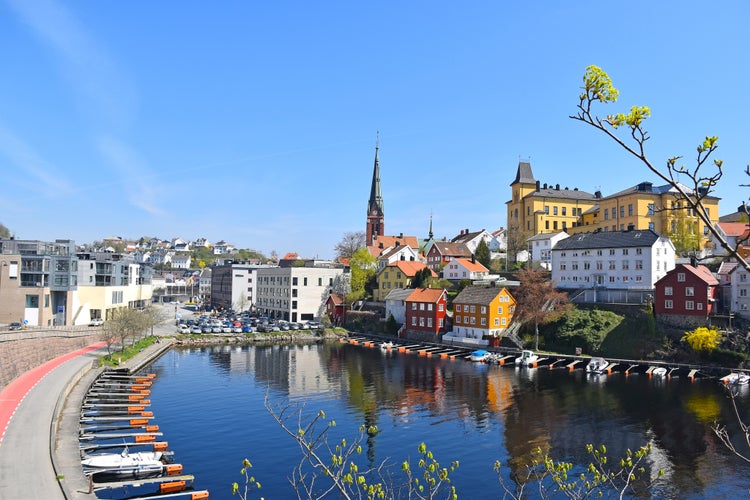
(422, 278)
(4, 231)
(692, 185)
(702, 339)
(683, 233)
(537, 300)
(482, 254)
(391, 325)
(362, 270)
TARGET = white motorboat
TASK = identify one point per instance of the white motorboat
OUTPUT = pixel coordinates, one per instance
(480, 355)
(141, 464)
(386, 345)
(659, 371)
(736, 379)
(527, 358)
(596, 365)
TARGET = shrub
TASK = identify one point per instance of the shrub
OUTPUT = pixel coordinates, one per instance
(702, 339)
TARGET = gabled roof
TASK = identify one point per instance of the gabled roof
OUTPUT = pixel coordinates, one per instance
(383, 243)
(409, 267)
(394, 250)
(475, 267)
(398, 294)
(726, 267)
(447, 248)
(464, 237)
(733, 228)
(609, 239)
(426, 295)
(546, 236)
(480, 295)
(336, 298)
(701, 272)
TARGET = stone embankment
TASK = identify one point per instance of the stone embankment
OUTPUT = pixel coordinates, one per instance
(258, 338)
(19, 354)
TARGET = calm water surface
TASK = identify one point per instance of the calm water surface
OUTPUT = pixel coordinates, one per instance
(209, 402)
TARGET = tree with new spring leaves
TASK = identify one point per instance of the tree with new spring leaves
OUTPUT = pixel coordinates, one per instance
(702, 178)
(537, 300)
(330, 470)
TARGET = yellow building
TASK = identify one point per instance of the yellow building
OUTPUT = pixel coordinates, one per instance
(535, 209)
(397, 275)
(645, 206)
(480, 312)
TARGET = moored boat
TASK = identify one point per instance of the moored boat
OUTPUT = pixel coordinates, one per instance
(596, 365)
(735, 378)
(480, 355)
(527, 358)
(386, 345)
(139, 465)
(659, 371)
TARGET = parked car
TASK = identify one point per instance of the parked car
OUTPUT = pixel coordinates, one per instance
(183, 329)
(15, 326)
(96, 322)
(196, 329)
(207, 329)
(247, 329)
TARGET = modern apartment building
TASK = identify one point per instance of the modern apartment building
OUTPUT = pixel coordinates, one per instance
(295, 293)
(234, 285)
(38, 281)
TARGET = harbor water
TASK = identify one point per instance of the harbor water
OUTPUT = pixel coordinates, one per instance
(211, 404)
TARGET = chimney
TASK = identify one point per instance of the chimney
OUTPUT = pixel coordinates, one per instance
(537, 186)
(545, 185)
(693, 261)
(557, 187)
(598, 194)
(400, 235)
(467, 231)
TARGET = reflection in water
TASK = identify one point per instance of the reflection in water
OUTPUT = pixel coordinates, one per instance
(471, 412)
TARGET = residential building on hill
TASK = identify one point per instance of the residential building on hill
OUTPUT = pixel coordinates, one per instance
(234, 285)
(540, 248)
(441, 252)
(614, 260)
(426, 312)
(395, 304)
(686, 296)
(460, 268)
(739, 279)
(396, 275)
(481, 313)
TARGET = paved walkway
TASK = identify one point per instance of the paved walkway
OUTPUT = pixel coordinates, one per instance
(27, 411)
(39, 421)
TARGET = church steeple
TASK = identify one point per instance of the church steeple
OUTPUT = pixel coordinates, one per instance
(375, 212)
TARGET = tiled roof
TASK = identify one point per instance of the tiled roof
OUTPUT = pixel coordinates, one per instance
(336, 298)
(467, 236)
(426, 295)
(476, 267)
(733, 228)
(482, 295)
(409, 267)
(726, 267)
(609, 239)
(452, 249)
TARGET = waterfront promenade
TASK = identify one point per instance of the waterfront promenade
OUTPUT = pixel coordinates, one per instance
(39, 417)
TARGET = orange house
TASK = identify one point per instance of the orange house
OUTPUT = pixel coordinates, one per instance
(480, 312)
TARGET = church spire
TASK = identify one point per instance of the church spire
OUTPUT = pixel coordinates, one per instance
(375, 211)
(430, 235)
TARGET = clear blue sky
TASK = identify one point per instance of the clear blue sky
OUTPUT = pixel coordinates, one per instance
(255, 122)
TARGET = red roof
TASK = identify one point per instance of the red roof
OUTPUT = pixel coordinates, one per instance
(426, 295)
(475, 267)
(733, 228)
(410, 267)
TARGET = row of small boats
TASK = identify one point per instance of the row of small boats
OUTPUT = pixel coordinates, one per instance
(118, 441)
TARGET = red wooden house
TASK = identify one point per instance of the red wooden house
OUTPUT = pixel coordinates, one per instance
(426, 311)
(686, 295)
(335, 308)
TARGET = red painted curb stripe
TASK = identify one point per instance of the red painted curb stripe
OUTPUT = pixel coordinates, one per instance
(12, 395)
